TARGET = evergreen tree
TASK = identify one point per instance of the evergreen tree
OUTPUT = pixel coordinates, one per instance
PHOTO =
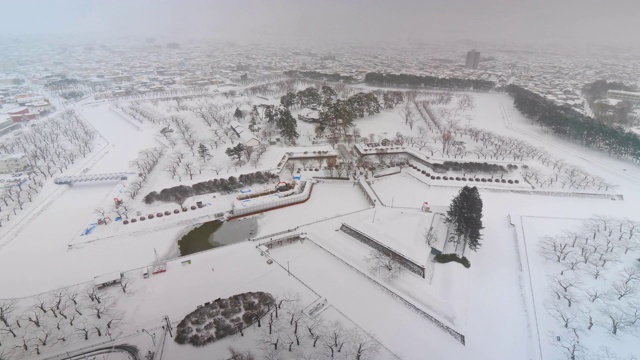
(287, 125)
(235, 151)
(327, 94)
(288, 100)
(203, 151)
(270, 113)
(238, 114)
(465, 214)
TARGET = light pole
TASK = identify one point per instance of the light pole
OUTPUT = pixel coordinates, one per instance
(153, 336)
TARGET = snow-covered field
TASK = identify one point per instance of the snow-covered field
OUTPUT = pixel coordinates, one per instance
(498, 304)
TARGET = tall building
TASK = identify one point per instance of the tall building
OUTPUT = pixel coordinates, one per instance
(473, 59)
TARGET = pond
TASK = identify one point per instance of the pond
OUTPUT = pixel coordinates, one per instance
(217, 233)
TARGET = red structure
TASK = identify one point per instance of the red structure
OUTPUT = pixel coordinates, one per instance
(21, 114)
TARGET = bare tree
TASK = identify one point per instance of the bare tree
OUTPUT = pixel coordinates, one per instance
(290, 166)
(595, 294)
(134, 188)
(260, 150)
(6, 309)
(430, 236)
(384, 265)
(588, 318)
(7, 353)
(631, 275)
(239, 355)
(102, 212)
(82, 330)
(565, 315)
(622, 289)
(314, 326)
(570, 343)
(33, 317)
(334, 339)
(618, 319)
(126, 283)
(564, 282)
(364, 345)
(555, 248)
(189, 169)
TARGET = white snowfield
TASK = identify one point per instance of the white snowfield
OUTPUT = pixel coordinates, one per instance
(497, 304)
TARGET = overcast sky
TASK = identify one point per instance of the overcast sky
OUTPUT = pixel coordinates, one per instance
(554, 21)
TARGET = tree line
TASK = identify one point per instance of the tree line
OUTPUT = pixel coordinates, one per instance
(568, 123)
(315, 75)
(179, 193)
(406, 80)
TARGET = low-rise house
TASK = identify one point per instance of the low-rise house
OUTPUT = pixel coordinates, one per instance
(246, 137)
(309, 115)
(12, 162)
(21, 114)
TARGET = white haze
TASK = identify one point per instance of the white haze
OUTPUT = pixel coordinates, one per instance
(612, 22)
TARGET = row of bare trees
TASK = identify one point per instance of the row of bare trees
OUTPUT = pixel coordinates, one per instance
(145, 163)
(596, 281)
(286, 332)
(454, 140)
(57, 319)
(189, 91)
(50, 147)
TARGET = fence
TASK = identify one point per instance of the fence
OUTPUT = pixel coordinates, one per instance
(271, 235)
(413, 154)
(282, 202)
(289, 238)
(458, 336)
(367, 240)
(368, 192)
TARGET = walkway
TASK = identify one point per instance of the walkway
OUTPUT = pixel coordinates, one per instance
(92, 177)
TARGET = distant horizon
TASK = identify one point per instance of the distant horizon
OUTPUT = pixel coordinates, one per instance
(575, 22)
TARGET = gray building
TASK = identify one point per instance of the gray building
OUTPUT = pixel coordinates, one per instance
(473, 59)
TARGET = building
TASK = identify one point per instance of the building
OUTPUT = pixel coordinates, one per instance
(21, 114)
(473, 59)
(12, 162)
(245, 136)
(309, 115)
(103, 281)
(38, 107)
(632, 97)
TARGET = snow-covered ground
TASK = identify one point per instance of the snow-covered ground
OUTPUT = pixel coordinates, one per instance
(497, 303)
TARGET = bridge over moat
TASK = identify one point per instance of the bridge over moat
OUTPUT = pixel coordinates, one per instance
(68, 180)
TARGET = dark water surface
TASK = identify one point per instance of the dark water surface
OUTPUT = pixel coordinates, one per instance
(217, 233)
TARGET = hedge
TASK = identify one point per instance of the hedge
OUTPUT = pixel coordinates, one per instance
(210, 186)
(445, 258)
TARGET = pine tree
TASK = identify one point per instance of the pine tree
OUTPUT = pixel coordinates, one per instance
(238, 114)
(203, 151)
(287, 125)
(235, 151)
(465, 213)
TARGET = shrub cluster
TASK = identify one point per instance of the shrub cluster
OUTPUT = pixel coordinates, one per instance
(210, 186)
(457, 178)
(445, 258)
(472, 167)
(221, 318)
